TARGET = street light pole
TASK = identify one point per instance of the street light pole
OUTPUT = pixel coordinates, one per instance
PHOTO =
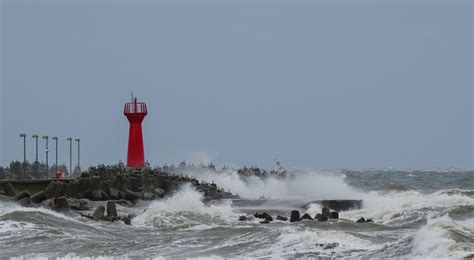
(24, 147)
(36, 140)
(46, 151)
(56, 140)
(70, 155)
(78, 152)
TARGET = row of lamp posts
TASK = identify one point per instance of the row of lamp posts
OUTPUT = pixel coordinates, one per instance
(47, 150)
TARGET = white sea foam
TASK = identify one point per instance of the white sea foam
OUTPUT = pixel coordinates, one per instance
(395, 207)
(314, 241)
(435, 240)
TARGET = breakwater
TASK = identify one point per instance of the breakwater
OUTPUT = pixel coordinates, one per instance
(103, 184)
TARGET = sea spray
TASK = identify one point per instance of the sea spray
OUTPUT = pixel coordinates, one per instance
(300, 185)
(183, 210)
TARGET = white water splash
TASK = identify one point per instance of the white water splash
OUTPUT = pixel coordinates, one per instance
(304, 185)
(186, 200)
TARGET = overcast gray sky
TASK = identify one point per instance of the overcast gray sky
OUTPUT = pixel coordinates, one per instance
(323, 84)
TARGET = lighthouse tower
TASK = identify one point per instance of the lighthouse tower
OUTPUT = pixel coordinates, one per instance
(135, 112)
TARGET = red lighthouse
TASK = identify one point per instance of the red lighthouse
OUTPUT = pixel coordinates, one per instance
(135, 112)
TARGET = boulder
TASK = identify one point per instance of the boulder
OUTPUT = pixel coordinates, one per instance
(111, 209)
(50, 191)
(105, 186)
(131, 196)
(320, 217)
(334, 215)
(369, 220)
(21, 195)
(38, 197)
(95, 195)
(61, 204)
(280, 218)
(119, 183)
(114, 193)
(295, 216)
(127, 220)
(159, 192)
(5, 198)
(264, 215)
(73, 189)
(98, 213)
(361, 220)
(94, 183)
(104, 195)
(243, 218)
(60, 190)
(306, 216)
(342, 205)
(9, 190)
(326, 212)
(25, 201)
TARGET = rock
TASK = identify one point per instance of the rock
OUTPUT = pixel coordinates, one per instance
(25, 201)
(264, 215)
(342, 205)
(105, 186)
(264, 222)
(127, 220)
(98, 213)
(78, 204)
(334, 215)
(5, 198)
(306, 216)
(94, 183)
(119, 183)
(243, 218)
(38, 197)
(96, 195)
(60, 190)
(50, 191)
(280, 218)
(326, 212)
(104, 195)
(131, 196)
(73, 189)
(21, 195)
(159, 192)
(369, 220)
(9, 190)
(320, 217)
(331, 245)
(114, 193)
(111, 209)
(295, 216)
(61, 204)
(361, 220)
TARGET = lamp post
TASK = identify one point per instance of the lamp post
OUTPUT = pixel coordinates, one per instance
(36, 140)
(56, 140)
(46, 150)
(78, 152)
(24, 147)
(70, 155)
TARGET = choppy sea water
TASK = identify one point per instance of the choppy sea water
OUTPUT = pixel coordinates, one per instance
(417, 214)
